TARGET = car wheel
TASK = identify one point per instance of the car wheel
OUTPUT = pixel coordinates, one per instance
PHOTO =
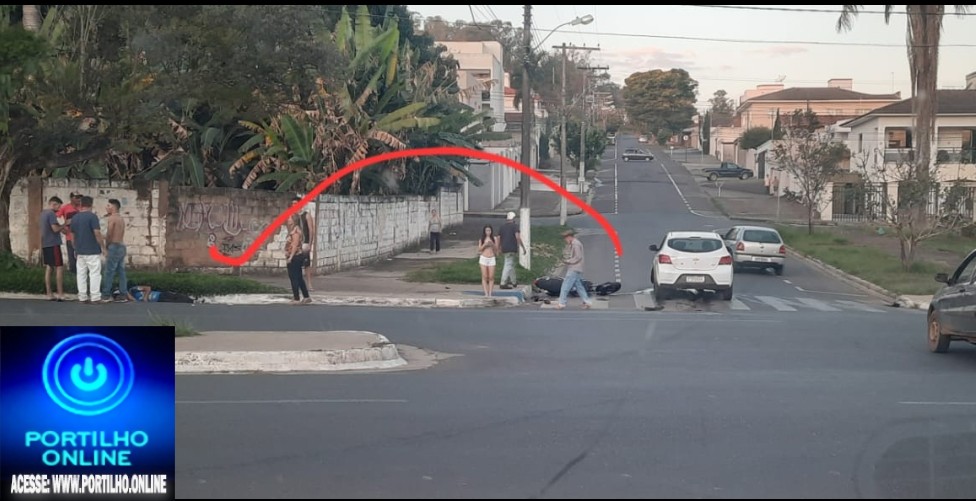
(744, 177)
(626, 159)
(779, 270)
(727, 294)
(938, 341)
(660, 294)
(712, 177)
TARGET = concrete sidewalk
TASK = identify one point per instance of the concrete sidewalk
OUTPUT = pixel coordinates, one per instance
(330, 351)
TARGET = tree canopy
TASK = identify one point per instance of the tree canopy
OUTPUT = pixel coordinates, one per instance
(662, 102)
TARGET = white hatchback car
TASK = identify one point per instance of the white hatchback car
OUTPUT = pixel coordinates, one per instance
(695, 260)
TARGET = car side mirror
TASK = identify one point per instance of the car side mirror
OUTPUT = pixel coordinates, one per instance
(942, 278)
(653, 248)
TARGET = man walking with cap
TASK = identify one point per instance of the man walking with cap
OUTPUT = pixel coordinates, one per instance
(511, 241)
(573, 259)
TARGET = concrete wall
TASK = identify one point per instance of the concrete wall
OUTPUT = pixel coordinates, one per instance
(173, 227)
(143, 207)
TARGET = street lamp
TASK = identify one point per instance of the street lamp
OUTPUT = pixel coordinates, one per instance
(583, 20)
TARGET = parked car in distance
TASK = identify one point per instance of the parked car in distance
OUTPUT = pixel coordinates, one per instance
(728, 169)
(642, 139)
(636, 154)
(695, 260)
(612, 138)
(755, 247)
(952, 311)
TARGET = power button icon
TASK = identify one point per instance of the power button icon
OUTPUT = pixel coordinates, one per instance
(88, 374)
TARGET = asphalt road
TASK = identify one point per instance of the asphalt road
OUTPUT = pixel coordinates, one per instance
(646, 199)
(735, 403)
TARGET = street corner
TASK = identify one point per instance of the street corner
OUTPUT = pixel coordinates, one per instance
(223, 352)
(913, 302)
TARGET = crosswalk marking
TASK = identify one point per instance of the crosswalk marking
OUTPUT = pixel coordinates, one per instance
(776, 303)
(735, 304)
(857, 306)
(817, 304)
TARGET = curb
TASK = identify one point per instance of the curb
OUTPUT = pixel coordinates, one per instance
(249, 300)
(383, 355)
(897, 300)
(474, 302)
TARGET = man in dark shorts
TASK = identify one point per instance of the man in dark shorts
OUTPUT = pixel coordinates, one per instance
(51, 247)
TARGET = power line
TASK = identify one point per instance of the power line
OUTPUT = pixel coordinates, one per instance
(777, 42)
(820, 11)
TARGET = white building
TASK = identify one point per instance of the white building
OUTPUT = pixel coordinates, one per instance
(483, 75)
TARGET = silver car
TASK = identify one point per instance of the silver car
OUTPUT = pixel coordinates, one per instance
(755, 247)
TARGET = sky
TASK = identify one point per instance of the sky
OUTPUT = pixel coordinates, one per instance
(748, 47)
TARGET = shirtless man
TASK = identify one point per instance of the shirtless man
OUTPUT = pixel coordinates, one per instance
(115, 243)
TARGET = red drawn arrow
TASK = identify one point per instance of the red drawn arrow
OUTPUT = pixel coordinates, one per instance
(411, 153)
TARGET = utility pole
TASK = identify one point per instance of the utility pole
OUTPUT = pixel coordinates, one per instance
(582, 167)
(525, 212)
(562, 130)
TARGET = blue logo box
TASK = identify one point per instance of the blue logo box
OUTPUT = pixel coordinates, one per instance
(88, 413)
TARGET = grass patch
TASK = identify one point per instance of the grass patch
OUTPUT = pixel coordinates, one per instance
(869, 263)
(547, 249)
(951, 243)
(17, 277)
(183, 327)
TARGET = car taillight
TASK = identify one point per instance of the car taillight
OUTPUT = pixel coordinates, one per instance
(740, 246)
(664, 259)
(725, 260)
(782, 249)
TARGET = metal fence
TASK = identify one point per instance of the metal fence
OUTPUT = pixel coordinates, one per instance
(859, 202)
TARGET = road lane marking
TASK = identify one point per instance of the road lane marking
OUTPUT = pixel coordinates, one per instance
(801, 289)
(682, 195)
(616, 197)
(777, 303)
(858, 306)
(816, 304)
(735, 304)
(293, 401)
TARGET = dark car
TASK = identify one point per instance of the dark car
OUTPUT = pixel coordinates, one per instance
(636, 154)
(728, 169)
(952, 311)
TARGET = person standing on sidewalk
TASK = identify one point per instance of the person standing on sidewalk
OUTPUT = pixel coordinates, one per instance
(51, 248)
(308, 241)
(573, 259)
(66, 212)
(510, 238)
(487, 250)
(89, 250)
(115, 247)
(434, 228)
(295, 258)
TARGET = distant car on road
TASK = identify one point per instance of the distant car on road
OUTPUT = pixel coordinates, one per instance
(728, 169)
(696, 260)
(636, 154)
(642, 139)
(952, 311)
(612, 138)
(756, 247)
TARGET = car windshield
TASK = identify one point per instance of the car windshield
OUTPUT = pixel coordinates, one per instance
(697, 245)
(761, 237)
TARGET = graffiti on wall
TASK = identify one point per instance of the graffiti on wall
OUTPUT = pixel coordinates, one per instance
(221, 222)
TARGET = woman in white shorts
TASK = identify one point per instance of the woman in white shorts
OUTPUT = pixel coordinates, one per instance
(487, 249)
